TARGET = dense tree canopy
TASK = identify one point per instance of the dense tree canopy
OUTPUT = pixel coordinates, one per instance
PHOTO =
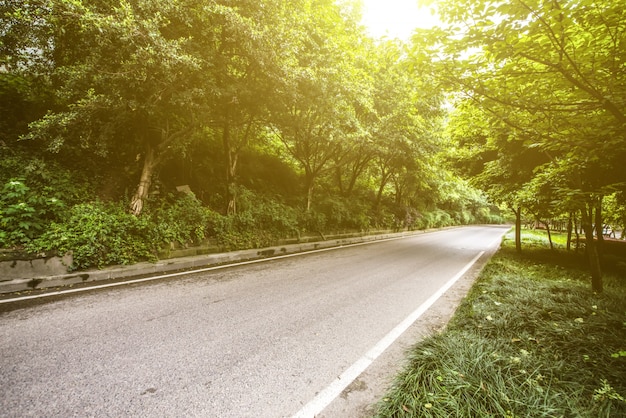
(288, 112)
(543, 86)
(278, 116)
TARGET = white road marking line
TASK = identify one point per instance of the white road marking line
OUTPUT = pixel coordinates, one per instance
(326, 396)
(201, 270)
(495, 242)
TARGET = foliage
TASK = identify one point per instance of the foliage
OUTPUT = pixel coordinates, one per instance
(435, 219)
(41, 194)
(538, 86)
(530, 340)
(125, 100)
(99, 234)
(338, 214)
(260, 222)
(24, 214)
(615, 214)
(181, 220)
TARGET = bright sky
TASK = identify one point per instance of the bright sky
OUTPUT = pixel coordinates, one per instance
(395, 18)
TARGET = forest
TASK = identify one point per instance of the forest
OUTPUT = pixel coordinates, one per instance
(130, 125)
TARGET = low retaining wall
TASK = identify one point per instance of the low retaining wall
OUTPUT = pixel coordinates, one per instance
(24, 267)
(49, 272)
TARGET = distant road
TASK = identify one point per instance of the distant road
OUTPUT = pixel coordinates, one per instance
(272, 339)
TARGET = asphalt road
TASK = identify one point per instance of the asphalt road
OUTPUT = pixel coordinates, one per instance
(261, 340)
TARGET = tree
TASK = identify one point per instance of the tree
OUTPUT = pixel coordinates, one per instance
(407, 117)
(126, 75)
(552, 72)
(495, 157)
(248, 72)
(316, 116)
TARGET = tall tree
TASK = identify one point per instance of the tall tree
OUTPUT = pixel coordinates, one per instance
(551, 71)
(126, 77)
(316, 114)
(408, 110)
(248, 70)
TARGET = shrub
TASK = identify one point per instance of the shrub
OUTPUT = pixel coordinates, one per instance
(434, 219)
(25, 213)
(337, 214)
(182, 219)
(98, 235)
(268, 214)
(260, 222)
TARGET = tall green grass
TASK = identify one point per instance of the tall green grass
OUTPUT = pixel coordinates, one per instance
(530, 340)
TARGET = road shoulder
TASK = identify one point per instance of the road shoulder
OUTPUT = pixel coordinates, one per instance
(359, 399)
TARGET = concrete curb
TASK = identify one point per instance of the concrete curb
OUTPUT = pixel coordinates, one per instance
(184, 263)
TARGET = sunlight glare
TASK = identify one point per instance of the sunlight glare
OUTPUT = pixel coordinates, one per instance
(396, 18)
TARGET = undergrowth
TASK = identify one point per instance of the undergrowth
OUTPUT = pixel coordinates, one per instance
(530, 340)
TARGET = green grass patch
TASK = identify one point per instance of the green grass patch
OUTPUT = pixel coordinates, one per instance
(530, 340)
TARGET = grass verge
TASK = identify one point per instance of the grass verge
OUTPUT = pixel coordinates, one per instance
(530, 340)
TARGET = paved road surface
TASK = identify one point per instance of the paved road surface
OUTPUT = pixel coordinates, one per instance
(260, 340)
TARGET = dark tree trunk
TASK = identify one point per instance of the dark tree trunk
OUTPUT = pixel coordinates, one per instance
(547, 225)
(577, 233)
(339, 177)
(309, 181)
(570, 226)
(599, 221)
(592, 250)
(518, 228)
(381, 188)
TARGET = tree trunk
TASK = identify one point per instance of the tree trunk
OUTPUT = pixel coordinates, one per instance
(309, 181)
(399, 191)
(355, 173)
(518, 228)
(384, 178)
(547, 225)
(570, 226)
(591, 249)
(232, 156)
(150, 162)
(599, 221)
(576, 231)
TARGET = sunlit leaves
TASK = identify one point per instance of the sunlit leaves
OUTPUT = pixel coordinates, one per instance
(550, 72)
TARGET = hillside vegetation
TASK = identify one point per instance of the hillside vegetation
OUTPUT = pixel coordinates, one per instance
(130, 125)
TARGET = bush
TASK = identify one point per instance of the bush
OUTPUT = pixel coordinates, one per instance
(181, 220)
(338, 214)
(99, 234)
(267, 214)
(25, 213)
(260, 222)
(435, 219)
